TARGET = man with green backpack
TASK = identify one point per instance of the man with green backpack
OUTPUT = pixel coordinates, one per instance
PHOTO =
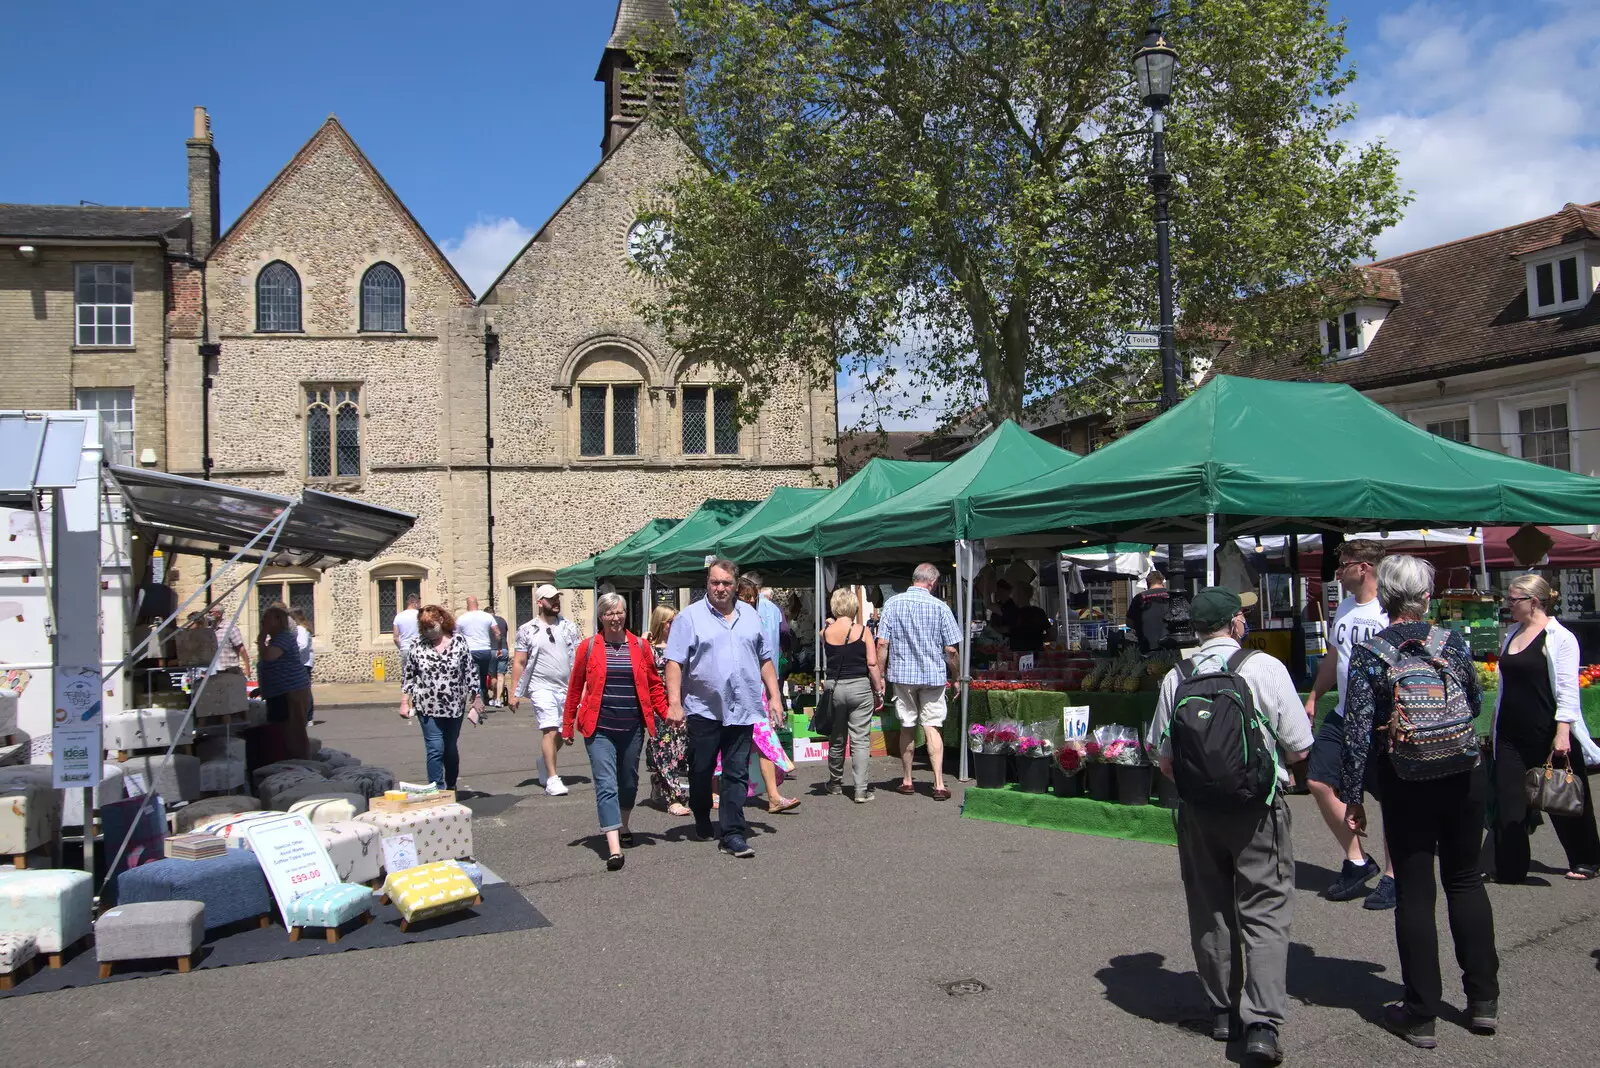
(1227, 725)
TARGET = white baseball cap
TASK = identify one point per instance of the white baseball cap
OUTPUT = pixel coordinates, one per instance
(546, 592)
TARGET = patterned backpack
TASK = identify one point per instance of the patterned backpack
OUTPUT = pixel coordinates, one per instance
(1430, 723)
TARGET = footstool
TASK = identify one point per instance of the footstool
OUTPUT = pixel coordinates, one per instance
(231, 827)
(330, 908)
(224, 695)
(285, 782)
(315, 768)
(430, 890)
(18, 955)
(367, 781)
(221, 775)
(54, 907)
(330, 808)
(30, 813)
(211, 808)
(355, 848)
(110, 788)
(215, 746)
(335, 758)
(147, 728)
(231, 887)
(149, 930)
(284, 800)
(175, 777)
(442, 832)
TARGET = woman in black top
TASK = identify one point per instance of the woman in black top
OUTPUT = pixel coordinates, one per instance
(854, 687)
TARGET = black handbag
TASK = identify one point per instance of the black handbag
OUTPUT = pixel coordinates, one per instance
(1556, 791)
(822, 714)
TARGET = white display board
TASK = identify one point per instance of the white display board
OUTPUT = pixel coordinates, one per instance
(292, 857)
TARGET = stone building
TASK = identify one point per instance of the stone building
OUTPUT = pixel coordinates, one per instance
(525, 432)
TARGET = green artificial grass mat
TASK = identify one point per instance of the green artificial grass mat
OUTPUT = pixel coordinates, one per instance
(1080, 815)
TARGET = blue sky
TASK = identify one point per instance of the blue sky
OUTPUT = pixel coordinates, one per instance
(484, 117)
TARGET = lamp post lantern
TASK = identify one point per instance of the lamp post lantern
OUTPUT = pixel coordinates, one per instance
(1154, 65)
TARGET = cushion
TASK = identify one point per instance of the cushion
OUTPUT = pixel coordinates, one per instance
(330, 906)
(232, 887)
(30, 812)
(215, 746)
(474, 872)
(224, 695)
(330, 808)
(336, 758)
(146, 929)
(309, 769)
(298, 781)
(230, 828)
(283, 800)
(430, 890)
(220, 776)
(355, 847)
(367, 781)
(53, 906)
(442, 832)
(147, 728)
(210, 808)
(175, 777)
(16, 950)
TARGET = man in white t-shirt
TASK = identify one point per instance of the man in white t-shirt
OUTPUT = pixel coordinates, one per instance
(477, 628)
(405, 627)
(1359, 617)
(541, 666)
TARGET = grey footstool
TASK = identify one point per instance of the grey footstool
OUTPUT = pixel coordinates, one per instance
(149, 930)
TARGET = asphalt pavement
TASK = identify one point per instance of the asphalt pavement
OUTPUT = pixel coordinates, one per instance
(839, 944)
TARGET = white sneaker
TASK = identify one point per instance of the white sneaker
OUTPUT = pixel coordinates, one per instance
(539, 770)
(554, 786)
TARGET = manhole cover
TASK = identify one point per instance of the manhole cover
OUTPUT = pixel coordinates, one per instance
(962, 987)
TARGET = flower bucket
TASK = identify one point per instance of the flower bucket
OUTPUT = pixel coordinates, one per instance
(989, 769)
(1133, 784)
(1066, 785)
(1011, 766)
(1033, 774)
(1166, 792)
(1101, 784)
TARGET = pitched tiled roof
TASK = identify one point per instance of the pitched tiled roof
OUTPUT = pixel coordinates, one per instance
(635, 15)
(1461, 307)
(88, 221)
(856, 449)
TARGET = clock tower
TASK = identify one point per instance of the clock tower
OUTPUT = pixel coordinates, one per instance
(630, 93)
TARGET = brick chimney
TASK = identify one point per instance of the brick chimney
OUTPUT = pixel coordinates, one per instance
(205, 207)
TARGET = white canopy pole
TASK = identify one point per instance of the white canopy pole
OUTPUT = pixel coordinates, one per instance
(1483, 559)
(964, 584)
(1211, 548)
(644, 621)
(819, 610)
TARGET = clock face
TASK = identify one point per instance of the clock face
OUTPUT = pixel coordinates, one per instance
(649, 244)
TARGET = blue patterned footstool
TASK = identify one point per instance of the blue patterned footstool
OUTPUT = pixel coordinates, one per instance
(54, 907)
(231, 887)
(18, 954)
(330, 908)
(150, 930)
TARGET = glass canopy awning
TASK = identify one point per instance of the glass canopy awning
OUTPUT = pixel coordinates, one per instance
(189, 515)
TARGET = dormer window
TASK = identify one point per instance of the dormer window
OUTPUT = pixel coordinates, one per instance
(1561, 279)
(1341, 337)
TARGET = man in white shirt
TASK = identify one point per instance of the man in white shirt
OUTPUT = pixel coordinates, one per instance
(478, 630)
(540, 668)
(405, 627)
(1359, 617)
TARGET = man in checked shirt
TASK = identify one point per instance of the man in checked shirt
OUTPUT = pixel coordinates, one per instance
(919, 635)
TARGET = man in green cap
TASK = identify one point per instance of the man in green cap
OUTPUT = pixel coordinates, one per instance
(1234, 850)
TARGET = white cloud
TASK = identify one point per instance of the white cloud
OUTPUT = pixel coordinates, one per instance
(485, 249)
(1490, 113)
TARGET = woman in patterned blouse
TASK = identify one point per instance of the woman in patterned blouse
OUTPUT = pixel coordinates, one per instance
(439, 685)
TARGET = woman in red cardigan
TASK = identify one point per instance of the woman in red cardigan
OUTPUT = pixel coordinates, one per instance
(613, 699)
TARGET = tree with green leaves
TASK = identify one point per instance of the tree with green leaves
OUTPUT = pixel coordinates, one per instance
(951, 199)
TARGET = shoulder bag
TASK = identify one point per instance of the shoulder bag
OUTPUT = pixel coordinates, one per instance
(1556, 791)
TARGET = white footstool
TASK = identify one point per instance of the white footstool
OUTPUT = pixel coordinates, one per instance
(356, 849)
(150, 930)
(18, 954)
(53, 907)
(147, 728)
(30, 813)
(442, 832)
(330, 808)
(211, 808)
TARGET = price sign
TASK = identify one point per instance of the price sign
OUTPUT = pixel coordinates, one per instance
(1075, 722)
(1025, 662)
(292, 857)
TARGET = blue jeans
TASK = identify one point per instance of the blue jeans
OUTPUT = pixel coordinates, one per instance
(708, 738)
(614, 762)
(439, 734)
(483, 660)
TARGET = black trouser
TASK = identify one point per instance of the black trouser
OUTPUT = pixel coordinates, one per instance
(1506, 852)
(709, 739)
(1443, 818)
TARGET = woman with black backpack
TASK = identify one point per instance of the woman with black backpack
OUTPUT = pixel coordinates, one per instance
(1413, 694)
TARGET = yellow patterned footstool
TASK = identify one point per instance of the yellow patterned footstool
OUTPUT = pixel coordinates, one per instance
(430, 890)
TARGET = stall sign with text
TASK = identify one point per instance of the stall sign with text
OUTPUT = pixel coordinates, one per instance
(292, 857)
(75, 734)
(1075, 722)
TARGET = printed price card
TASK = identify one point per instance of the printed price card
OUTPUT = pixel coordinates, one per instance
(399, 852)
(1025, 662)
(1075, 722)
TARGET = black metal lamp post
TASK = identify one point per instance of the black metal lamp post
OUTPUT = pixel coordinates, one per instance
(1154, 65)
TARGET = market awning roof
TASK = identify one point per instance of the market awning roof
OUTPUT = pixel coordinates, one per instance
(935, 511)
(689, 541)
(190, 515)
(797, 538)
(584, 575)
(1285, 457)
(784, 502)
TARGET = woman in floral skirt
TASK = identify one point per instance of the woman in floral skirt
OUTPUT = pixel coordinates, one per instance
(667, 753)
